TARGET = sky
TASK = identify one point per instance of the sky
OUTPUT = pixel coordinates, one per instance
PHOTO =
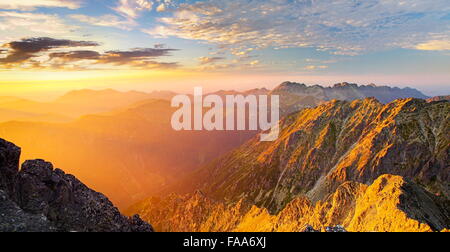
(48, 47)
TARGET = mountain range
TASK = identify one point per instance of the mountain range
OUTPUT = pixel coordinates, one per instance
(121, 143)
(362, 164)
(296, 96)
(127, 154)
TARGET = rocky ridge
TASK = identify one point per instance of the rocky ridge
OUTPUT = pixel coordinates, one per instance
(321, 148)
(390, 204)
(39, 198)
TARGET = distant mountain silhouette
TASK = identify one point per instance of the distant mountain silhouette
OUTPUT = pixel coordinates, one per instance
(72, 105)
(128, 153)
(296, 96)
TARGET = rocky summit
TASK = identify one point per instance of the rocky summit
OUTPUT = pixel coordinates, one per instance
(39, 198)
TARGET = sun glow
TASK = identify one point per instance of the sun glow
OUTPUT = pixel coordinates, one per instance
(45, 85)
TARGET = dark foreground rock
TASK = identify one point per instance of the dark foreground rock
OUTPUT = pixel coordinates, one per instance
(39, 198)
(336, 229)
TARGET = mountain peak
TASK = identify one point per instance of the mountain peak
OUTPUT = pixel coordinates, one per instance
(345, 85)
(290, 84)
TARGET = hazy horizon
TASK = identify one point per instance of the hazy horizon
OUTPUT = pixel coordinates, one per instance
(46, 95)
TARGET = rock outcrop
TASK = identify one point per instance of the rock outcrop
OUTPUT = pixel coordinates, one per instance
(390, 204)
(439, 98)
(41, 198)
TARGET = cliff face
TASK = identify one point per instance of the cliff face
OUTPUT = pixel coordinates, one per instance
(41, 198)
(390, 204)
(319, 149)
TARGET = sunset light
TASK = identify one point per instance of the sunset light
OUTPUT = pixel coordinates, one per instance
(230, 117)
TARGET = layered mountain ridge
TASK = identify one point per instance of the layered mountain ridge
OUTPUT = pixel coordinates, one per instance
(132, 133)
(360, 164)
(138, 144)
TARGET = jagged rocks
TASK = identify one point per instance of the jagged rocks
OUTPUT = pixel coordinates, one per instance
(336, 229)
(390, 204)
(9, 163)
(310, 229)
(41, 198)
(14, 219)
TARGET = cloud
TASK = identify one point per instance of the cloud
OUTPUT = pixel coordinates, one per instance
(161, 8)
(28, 5)
(20, 51)
(142, 58)
(76, 55)
(106, 21)
(313, 67)
(347, 27)
(12, 21)
(209, 60)
(49, 53)
(138, 55)
(321, 61)
(254, 63)
(434, 45)
(133, 8)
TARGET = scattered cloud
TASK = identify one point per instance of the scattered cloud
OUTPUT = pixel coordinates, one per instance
(11, 21)
(161, 8)
(232, 65)
(138, 56)
(75, 55)
(133, 8)
(312, 67)
(165, 5)
(38, 53)
(21, 51)
(209, 60)
(254, 63)
(344, 27)
(434, 45)
(106, 21)
(321, 61)
(29, 5)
